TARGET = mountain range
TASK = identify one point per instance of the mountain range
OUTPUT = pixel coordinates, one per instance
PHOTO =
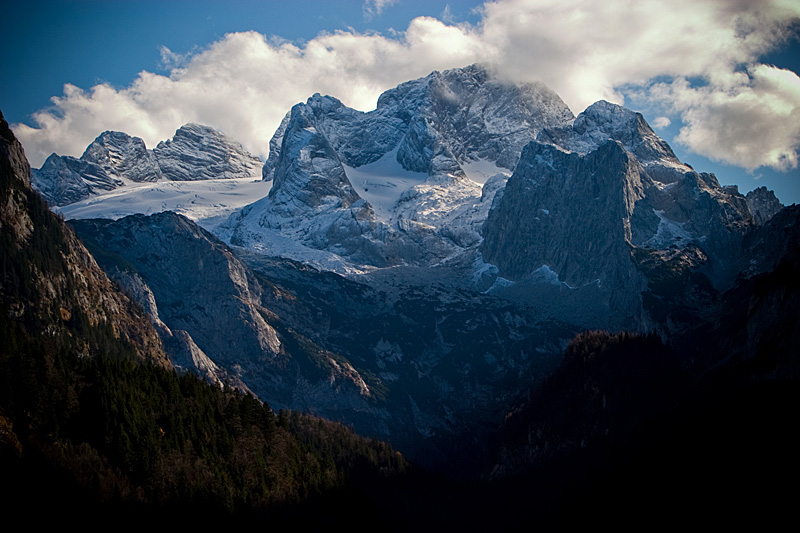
(418, 271)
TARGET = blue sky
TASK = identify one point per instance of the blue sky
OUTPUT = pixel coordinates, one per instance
(717, 79)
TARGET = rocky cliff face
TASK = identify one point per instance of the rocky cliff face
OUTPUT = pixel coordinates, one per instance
(603, 202)
(763, 204)
(50, 283)
(195, 153)
(124, 157)
(198, 152)
(567, 218)
(212, 312)
(602, 121)
(434, 127)
(63, 180)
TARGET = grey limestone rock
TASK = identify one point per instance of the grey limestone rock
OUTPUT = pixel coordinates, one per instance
(63, 180)
(198, 152)
(763, 204)
(195, 153)
(211, 307)
(123, 156)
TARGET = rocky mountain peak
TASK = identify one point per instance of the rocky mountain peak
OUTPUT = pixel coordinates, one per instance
(602, 121)
(568, 213)
(201, 152)
(123, 156)
(64, 179)
(763, 204)
(309, 170)
(196, 152)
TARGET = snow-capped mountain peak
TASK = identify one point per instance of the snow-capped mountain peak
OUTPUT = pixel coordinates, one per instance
(113, 159)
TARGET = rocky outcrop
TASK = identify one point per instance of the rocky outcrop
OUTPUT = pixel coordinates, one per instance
(568, 212)
(211, 307)
(50, 283)
(199, 152)
(602, 121)
(195, 153)
(124, 157)
(63, 180)
(570, 219)
(763, 204)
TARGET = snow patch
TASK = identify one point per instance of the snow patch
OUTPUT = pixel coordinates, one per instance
(669, 233)
(382, 182)
(207, 202)
(481, 170)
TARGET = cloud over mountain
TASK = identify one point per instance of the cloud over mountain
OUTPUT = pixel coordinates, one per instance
(698, 61)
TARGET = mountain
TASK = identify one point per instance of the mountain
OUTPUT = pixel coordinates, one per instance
(50, 283)
(423, 273)
(393, 186)
(213, 306)
(763, 204)
(199, 152)
(95, 420)
(596, 207)
(195, 153)
(477, 227)
(396, 363)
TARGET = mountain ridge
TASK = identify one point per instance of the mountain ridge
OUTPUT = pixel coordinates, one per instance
(195, 152)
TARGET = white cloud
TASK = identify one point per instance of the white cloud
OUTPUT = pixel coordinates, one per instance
(755, 122)
(244, 84)
(661, 122)
(583, 49)
(376, 7)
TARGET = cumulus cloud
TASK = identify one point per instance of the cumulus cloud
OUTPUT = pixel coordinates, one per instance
(661, 122)
(583, 49)
(755, 122)
(244, 84)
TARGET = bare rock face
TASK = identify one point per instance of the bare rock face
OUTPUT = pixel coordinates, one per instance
(309, 172)
(565, 211)
(123, 156)
(470, 115)
(63, 180)
(594, 216)
(195, 153)
(763, 204)
(602, 121)
(50, 283)
(199, 152)
(172, 255)
(213, 314)
(567, 219)
(311, 187)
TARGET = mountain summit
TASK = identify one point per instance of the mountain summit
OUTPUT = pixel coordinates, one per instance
(509, 225)
(195, 153)
(402, 183)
